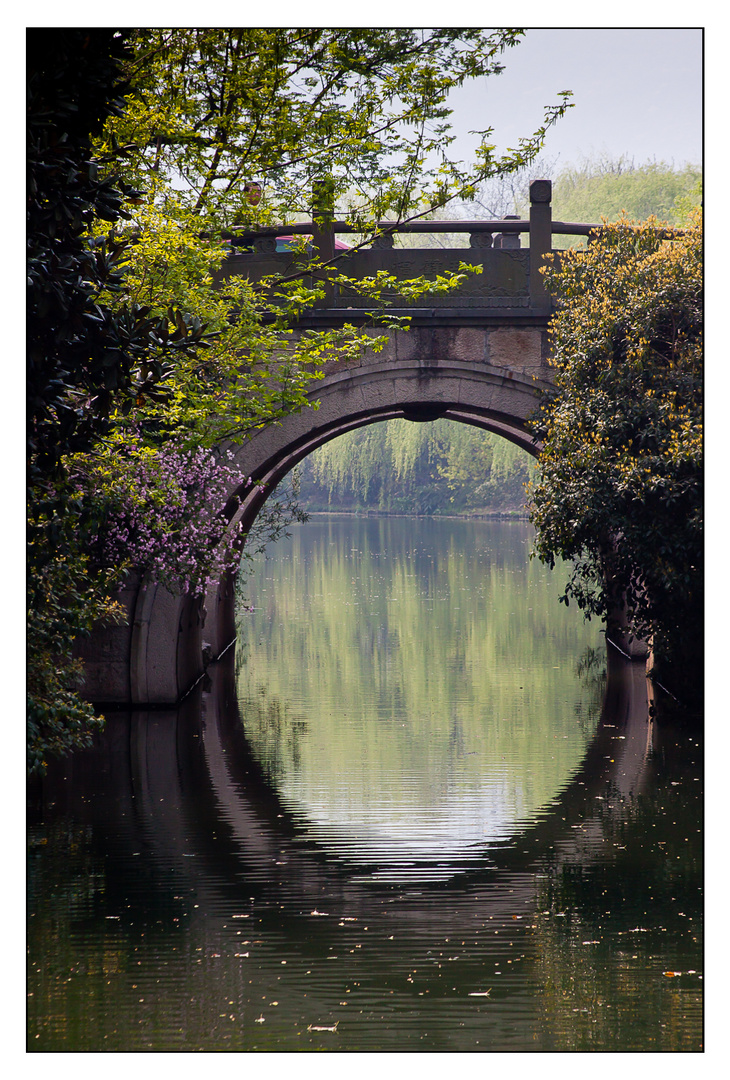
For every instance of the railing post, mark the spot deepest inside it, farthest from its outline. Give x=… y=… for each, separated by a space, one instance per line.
x=323 y=234
x=541 y=220
x=509 y=240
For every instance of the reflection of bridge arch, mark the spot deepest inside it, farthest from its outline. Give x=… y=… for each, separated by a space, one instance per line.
x=183 y=829
x=192 y=780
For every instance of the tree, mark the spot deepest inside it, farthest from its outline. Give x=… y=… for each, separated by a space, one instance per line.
x=142 y=150
x=620 y=490
x=606 y=188
x=85 y=361
x=365 y=108
x=361 y=113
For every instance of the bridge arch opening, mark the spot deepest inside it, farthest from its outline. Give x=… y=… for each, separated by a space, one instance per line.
x=272 y=472
x=488 y=376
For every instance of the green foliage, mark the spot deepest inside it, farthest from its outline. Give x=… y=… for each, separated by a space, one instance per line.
x=620 y=491
x=64 y=601
x=435 y=468
x=365 y=107
x=140 y=148
x=686 y=204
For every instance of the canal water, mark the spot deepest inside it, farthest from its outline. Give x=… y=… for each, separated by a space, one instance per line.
x=411 y=811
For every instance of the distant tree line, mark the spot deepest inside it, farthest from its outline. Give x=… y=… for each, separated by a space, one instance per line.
x=596 y=188
x=401 y=467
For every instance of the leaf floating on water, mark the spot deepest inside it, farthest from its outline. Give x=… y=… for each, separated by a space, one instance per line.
x=320 y=1027
x=671 y=974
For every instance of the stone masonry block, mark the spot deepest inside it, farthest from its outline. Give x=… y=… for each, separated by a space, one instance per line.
x=470 y=344
x=518 y=350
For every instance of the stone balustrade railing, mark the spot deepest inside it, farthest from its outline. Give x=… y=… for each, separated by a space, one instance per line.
x=510 y=279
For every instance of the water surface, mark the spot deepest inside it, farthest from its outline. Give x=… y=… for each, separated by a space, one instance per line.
x=410 y=814
x=411 y=688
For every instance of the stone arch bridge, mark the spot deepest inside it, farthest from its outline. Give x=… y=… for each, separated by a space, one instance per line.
x=478 y=356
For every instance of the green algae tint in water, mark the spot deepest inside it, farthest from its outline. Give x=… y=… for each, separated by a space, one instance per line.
x=411 y=689
x=402 y=820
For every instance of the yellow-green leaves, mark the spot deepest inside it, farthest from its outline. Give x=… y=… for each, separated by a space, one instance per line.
x=621 y=469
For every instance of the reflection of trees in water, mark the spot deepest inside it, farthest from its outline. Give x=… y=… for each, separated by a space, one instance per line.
x=408 y=669
x=279 y=734
x=590 y=668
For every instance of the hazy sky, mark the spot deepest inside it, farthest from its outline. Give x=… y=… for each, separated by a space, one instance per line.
x=636 y=92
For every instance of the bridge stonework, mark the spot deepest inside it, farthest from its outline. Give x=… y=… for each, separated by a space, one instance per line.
x=486 y=377
x=478 y=362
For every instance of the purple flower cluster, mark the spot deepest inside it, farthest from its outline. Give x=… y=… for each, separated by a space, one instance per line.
x=162 y=513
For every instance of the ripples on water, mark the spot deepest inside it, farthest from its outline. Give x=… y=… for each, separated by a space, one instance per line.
x=411 y=689
x=401 y=822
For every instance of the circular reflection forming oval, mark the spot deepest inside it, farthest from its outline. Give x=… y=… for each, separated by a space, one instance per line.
x=413 y=689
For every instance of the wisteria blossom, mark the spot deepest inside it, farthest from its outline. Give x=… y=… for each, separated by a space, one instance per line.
x=161 y=511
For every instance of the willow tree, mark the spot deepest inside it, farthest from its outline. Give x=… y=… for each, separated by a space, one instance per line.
x=437 y=468
x=620 y=492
